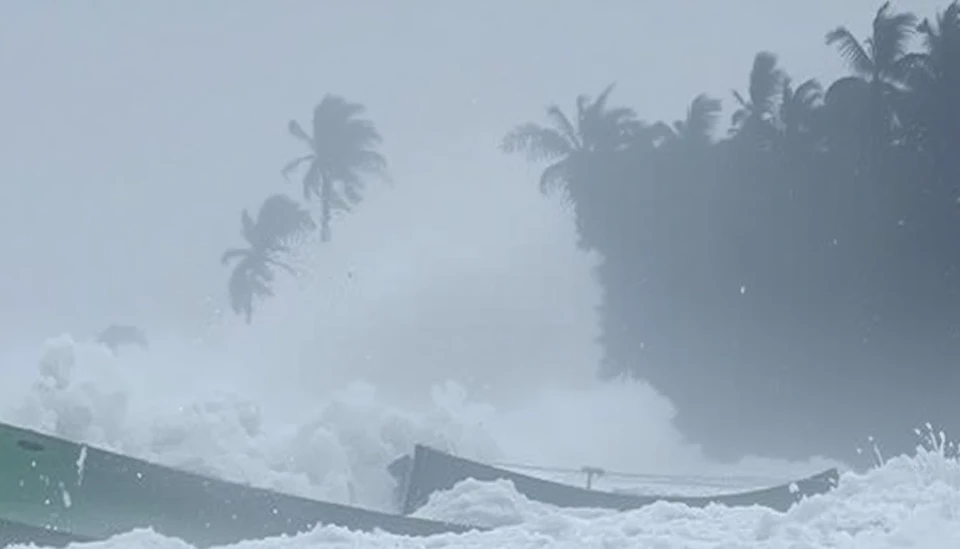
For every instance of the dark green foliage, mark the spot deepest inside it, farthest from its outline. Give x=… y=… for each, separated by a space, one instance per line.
x=821 y=229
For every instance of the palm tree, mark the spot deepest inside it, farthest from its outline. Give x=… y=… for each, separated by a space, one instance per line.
x=342 y=149
x=936 y=87
x=568 y=144
x=942 y=41
x=881 y=65
x=696 y=130
x=755 y=116
x=279 y=221
x=797 y=119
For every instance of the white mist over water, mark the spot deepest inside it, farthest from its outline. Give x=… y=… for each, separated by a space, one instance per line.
x=439 y=315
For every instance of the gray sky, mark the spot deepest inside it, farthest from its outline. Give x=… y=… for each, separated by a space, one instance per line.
x=133 y=132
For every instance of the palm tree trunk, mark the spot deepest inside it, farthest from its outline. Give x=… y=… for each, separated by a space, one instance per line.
x=326 y=195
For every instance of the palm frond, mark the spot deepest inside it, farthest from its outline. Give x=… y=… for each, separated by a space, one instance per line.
x=740 y=100
x=248 y=281
x=311 y=181
x=809 y=93
x=248 y=228
x=555 y=177
x=765 y=81
x=891 y=36
x=702 y=117
x=333 y=114
x=905 y=68
x=335 y=107
x=294 y=164
x=600 y=103
x=943 y=35
x=233 y=253
x=286 y=267
x=563 y=124
x=537 y=142
x=352 y=194
x=662 y=132
x=297 y=131
x=240 y=293
x=281 y=219
x=366 y=160
x=354 y=133
x=851 y=50
x=342 y=203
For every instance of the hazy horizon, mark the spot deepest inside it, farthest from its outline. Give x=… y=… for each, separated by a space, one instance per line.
x=134 y=134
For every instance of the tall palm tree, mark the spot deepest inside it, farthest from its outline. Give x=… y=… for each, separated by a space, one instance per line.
x=279 y=221
x=342 y=151
x=567 y=145
x=754 y=118
x=881 y=66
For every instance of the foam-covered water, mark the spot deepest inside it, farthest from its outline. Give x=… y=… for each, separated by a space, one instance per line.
x=373 y=351
x=470 y=326
x=474 y=336
x=452 y=309
x=339 y=452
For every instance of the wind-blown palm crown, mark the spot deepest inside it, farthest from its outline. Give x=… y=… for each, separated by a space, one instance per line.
x=935 y=83
x=755 y=115
x=882 y=57
x=282 y=220
x=342 y=150
x=696 y=129
x=881 y=61
x=941 y=39
x=566 y=143
x=279 y=220
x=797 y=120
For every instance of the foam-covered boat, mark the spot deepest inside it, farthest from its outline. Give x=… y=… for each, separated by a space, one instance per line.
x=431 y=470
x=53 y=491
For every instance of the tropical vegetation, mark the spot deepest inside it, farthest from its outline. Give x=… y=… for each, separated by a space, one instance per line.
x=822 y=228
x=824 y=216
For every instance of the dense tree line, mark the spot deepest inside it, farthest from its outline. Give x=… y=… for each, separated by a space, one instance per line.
x=820 y=229
x=823 y=229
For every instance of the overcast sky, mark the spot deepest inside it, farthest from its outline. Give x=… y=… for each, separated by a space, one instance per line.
x=132 y=133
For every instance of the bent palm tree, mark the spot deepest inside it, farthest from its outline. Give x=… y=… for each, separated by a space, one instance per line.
x=282 y=220
x=567 y=145
x=696 y=130
x=342 y=149
x=797 y=119
x=279 y=220
x=881 y=66
x=754 y=118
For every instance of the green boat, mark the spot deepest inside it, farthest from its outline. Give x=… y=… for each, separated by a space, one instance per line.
x=12 y=533
x=53 y=491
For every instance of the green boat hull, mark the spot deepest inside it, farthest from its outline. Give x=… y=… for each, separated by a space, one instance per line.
x=15 y=533
x=59 y=488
